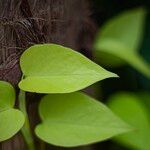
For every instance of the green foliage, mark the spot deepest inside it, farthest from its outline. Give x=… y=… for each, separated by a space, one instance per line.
x=11 y=120
x=51 y=68
x=132 y=110
x=75 y=119
x=7 y=96
x=119 y=40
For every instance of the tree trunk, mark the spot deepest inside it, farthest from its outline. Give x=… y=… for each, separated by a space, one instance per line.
x=24 y=23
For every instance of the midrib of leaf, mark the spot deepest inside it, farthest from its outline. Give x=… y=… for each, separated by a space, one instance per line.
x=83 y=74
x=83 y=125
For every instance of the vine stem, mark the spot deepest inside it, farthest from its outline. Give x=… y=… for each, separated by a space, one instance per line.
x=26 y=130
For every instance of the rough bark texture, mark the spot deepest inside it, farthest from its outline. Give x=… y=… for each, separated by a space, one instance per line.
x=24 y=23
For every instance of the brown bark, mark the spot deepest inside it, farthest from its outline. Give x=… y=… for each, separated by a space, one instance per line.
x=24 y=23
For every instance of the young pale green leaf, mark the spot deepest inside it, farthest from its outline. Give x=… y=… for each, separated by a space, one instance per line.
x=11 y=120
x=120 y=38
x=7 y=96
x=131 y=108
x=75 y=119
x=51 y=68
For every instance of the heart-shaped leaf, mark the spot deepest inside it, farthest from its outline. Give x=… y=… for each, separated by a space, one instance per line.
x=131 y=109
x=51 y=68
x=11 y=120
x=75 y=119
x=121 y=37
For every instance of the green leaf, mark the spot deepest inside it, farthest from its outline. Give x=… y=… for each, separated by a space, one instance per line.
x=120 y=38
x=11 y=120
x=132 y=110
x=75 y=119
x=51 y=68
x=7 y=96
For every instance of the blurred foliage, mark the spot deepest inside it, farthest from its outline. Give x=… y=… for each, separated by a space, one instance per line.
x=121 y=37
x=130 y=79
x=132 y=109
x=104 y=10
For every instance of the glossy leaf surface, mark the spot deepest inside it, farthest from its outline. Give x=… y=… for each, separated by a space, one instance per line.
x=11 y=120
x=75 y=119
x=7 y=96
x=51 y=68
